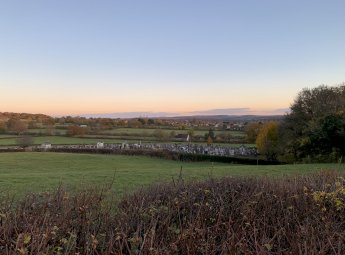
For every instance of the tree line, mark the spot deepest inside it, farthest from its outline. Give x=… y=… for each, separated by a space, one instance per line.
x=313 y=131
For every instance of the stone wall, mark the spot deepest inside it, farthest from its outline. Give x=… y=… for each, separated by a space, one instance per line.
x=179 y=148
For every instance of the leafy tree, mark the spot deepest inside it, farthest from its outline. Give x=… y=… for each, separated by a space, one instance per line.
x=16 y=126
x=76 y=130
x=210 y=134
x=143 y=121
x=191 y=134
x=327 y=137
x=252 y=130
x=151 y=121
x=315 y=126
x=172 y=134
x=3 y=127
x=134 y=123
x=25 y=141
x=160 y=135
x=267 y=140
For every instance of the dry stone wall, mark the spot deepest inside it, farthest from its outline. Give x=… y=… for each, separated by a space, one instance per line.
x=179 y=148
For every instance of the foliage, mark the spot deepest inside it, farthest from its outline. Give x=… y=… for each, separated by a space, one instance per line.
x=315 y=128
x=219 y=216
x=160 y=135
x=252 y=130
x=211 y=134
x=3 y=127
x=16 y=126
x=191 y=134
x=76 y=130
x=25 y=141
x=267 y=140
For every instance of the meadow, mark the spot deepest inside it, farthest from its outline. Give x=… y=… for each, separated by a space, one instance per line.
x=167 y=131
x=60 y=203
x=10 y=140
x=21 y=173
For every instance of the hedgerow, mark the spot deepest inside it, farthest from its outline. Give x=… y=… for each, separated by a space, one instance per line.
x=234 y=215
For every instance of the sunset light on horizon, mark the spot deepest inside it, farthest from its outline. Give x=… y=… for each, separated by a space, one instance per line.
x=166 y=57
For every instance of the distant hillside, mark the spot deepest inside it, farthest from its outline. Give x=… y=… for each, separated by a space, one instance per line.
x=225 y=118
x=23 y=116
x=230 y=118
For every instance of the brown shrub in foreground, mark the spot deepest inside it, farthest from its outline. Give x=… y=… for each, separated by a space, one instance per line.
x=292 y=215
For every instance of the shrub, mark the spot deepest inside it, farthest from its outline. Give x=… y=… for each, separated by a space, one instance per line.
x=295 y=215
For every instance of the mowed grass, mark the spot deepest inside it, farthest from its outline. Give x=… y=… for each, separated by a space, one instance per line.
x=12 y=140
x=36 y=172
x=60 y=140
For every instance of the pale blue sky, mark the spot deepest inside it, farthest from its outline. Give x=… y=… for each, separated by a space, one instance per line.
x=73 y=57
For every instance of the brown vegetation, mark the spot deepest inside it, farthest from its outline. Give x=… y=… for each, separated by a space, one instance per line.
x=302 y=215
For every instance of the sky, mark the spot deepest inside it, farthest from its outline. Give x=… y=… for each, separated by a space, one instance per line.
x=79 y=57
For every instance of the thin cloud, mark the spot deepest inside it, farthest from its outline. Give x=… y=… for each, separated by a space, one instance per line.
x=225 y=111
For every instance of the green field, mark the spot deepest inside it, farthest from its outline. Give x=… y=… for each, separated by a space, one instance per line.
x=142 y=131
x=89 y=139
x=150 y=132
x=60 y=140
x=32 y=172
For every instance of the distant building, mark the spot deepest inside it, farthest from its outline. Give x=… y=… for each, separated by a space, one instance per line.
x=100 y=145
x=182 y=137
x=46 y=145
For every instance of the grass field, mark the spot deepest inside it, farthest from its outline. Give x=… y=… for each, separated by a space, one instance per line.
x=140 y=131
x=60 y=140
x=143 y=131
x=32 y=172
x=12 y=140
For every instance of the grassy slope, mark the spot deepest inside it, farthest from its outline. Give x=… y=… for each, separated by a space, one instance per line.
x=23 y=172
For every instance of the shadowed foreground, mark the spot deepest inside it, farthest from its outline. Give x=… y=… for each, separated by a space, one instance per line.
x=239 y=215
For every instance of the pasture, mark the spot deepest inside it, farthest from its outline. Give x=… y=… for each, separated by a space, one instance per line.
x=59 y=140
x=150 y=132
x=35 y=172
x=9 y=140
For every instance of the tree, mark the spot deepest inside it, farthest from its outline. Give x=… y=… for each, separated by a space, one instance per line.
x=134 y=123
x=151 y=121
x=172 y=134
x=210 y=134
x=191 y=134
x=143 y=121
x=314 y=128
x=49 y=130
x=16 y=126
x=327 y=137
x=160 y=135
x=209 y=140
x=75 y=130
x=25 y=141
x=267 y=140
x=3 y=127
x=252 y=130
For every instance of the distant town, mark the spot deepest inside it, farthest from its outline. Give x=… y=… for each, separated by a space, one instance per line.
x=207 y=129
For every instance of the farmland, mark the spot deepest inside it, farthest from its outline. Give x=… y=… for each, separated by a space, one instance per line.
x=59 y=140
x=35 y=172
x=150 y=132
x=89 y=139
